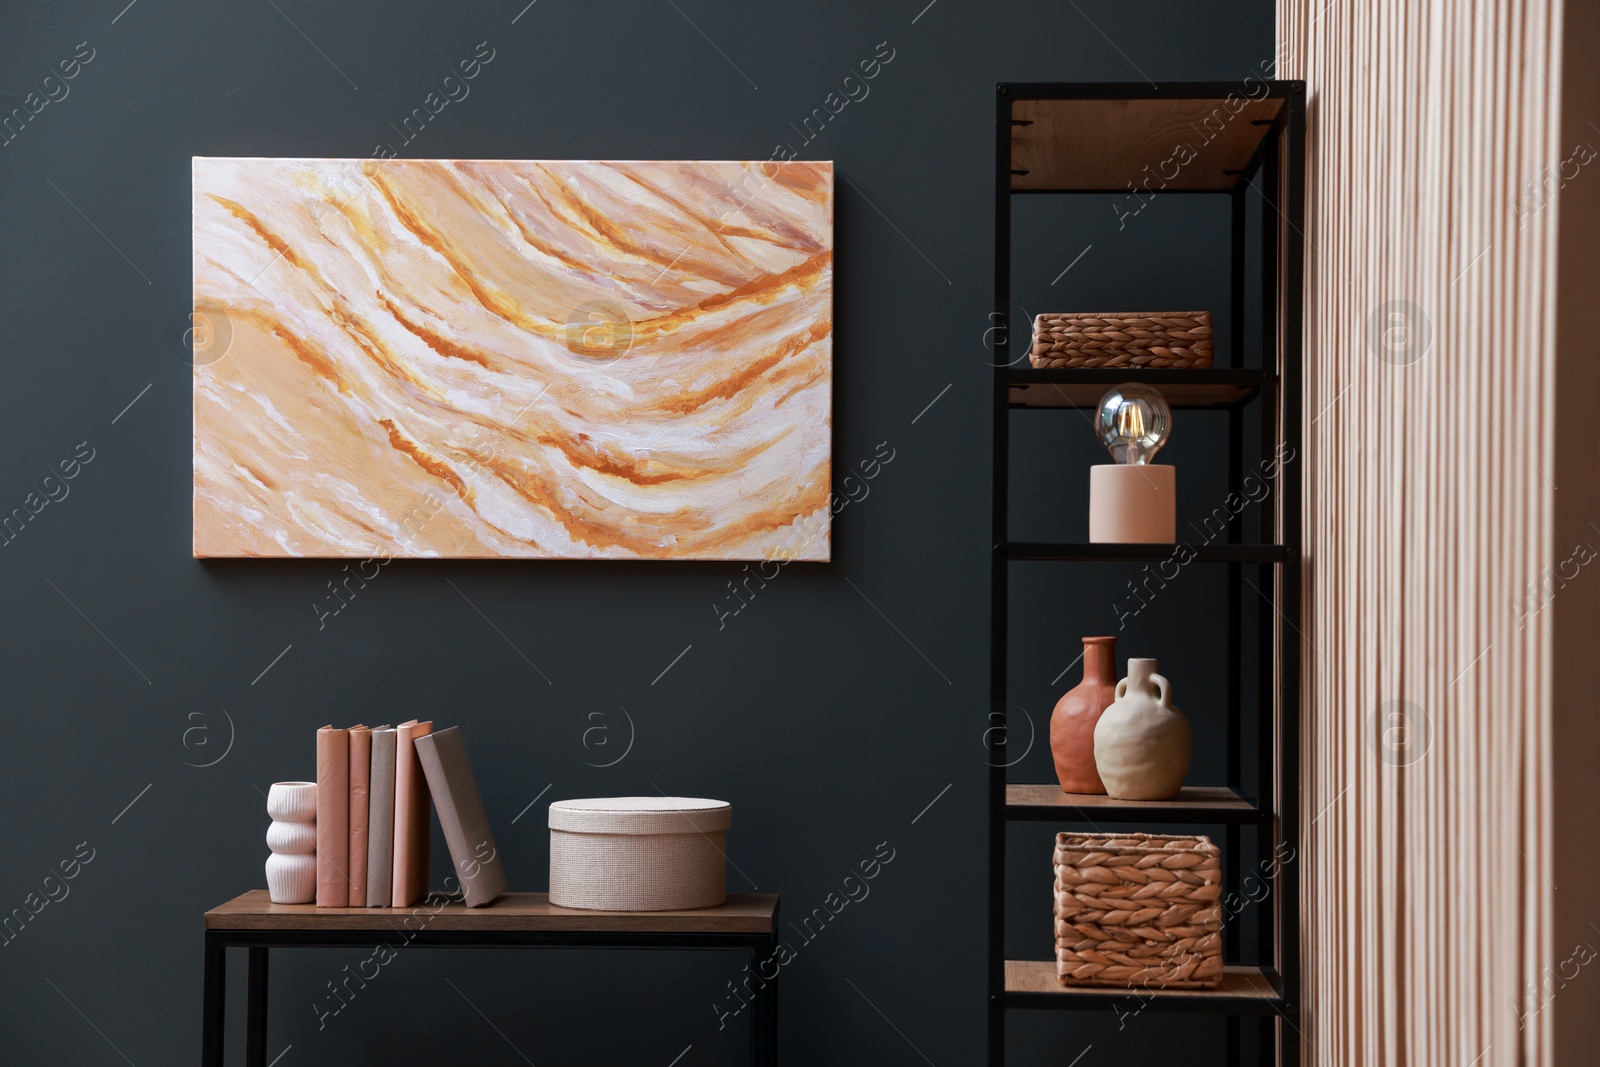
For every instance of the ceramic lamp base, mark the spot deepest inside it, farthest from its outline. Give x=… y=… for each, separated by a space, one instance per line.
x=1133 y=504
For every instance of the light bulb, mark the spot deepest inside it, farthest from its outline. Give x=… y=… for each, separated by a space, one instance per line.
x=1134 y=422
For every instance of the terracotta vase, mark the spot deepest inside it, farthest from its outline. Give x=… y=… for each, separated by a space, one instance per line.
x=1072 y=723
x=1142 y=742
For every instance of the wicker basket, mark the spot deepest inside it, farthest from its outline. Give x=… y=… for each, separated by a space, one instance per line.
x=1138 y=911
x=1176 y=340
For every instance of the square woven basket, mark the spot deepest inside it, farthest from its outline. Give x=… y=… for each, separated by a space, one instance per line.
x=1172 y=340
x=1138 y=911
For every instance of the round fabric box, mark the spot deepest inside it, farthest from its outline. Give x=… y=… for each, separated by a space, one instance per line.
x=639 y=853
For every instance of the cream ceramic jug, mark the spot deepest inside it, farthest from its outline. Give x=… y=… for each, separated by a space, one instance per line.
x=1141 y=743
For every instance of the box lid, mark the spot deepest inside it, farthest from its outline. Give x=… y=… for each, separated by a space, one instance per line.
x=641 y=815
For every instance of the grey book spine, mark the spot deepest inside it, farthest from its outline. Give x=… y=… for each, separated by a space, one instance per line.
x=380 y=826
x=461 y=815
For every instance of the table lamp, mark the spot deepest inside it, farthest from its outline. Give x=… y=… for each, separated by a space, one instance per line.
x=1133 y=501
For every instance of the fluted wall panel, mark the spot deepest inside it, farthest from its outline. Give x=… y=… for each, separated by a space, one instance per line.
x=1436 y=821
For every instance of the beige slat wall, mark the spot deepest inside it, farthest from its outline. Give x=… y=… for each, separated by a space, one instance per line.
x=1448 y=745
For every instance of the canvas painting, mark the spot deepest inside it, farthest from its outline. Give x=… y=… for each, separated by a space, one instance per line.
x=462 y=358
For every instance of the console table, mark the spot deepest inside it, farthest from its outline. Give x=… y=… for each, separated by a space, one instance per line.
x=748 y=922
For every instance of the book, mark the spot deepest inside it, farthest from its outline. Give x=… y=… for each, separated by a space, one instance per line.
x=333 y=817
x=380 y=820
x=461 y=814
x=360 y=775
x=409 y=877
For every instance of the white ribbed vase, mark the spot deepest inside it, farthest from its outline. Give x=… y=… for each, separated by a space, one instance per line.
x=292 y=837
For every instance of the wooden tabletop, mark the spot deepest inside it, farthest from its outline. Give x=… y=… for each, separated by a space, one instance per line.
x=744 y=913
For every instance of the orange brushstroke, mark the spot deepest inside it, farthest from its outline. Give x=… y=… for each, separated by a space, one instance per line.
x=439 y=344
x=307 y=353
x=618 y=238
x=501 y=304
x=760 y=290
x=741 y=380
x=273 y=241
x=437 y=468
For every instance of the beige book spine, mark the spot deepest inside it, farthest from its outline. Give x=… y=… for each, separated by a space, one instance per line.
x=380 y=821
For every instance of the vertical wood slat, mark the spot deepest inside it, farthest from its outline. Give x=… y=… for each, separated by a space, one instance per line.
x=1429 y=510
x=1568 y=812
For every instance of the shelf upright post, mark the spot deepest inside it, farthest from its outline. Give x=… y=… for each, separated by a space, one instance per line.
x=1235 y=746
x=997 y=726
x=1271 y=629
x=1293 y=274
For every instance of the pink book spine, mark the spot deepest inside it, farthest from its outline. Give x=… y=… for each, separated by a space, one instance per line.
x=333 y=818
x=360 y=811
x=410 y=873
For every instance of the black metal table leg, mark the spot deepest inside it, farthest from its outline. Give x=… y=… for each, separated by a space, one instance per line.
x=215 y=1008
x=255 y=1041
x=772 y=1010
x=763 y=1009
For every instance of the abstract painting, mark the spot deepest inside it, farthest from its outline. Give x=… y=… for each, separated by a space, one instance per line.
x=461 y=358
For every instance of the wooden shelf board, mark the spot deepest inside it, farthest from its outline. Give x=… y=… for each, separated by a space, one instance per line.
x=1083 y=388
x=743 y=913
x=1244 y=989
x=1183 y=397
x=1104 y=145
x=1044 y=552
x=1157 y=377
x=1193 y=804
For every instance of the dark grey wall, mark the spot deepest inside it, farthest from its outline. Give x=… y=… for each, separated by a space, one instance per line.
x=832 y=710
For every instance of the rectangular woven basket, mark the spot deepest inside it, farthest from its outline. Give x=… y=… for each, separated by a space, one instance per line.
x=1174 y=340
x=1139 y=911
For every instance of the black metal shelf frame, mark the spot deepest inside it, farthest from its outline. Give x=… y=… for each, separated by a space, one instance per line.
x=1276 y=172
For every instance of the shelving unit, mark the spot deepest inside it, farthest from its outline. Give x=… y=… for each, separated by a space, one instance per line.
x=1099 y=138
